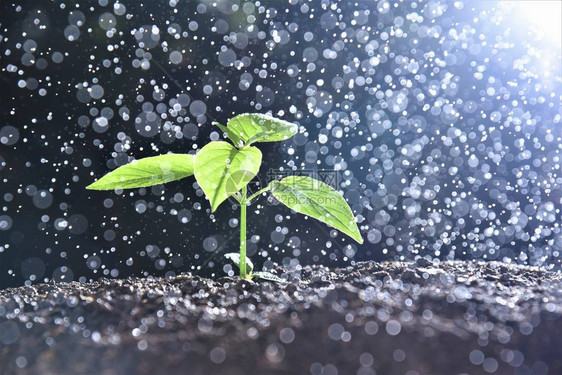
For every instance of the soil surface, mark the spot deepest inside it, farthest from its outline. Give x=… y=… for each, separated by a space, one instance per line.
x=372 y=318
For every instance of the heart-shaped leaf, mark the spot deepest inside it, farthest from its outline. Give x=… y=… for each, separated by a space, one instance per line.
x=318 y=200
x=222 y=170
x=147 y=172
x=231 y=135
x=256 y=127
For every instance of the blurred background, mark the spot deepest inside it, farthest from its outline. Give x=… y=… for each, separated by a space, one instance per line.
x=441 y=119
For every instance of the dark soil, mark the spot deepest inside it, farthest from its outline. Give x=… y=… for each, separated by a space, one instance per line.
x=390 y=318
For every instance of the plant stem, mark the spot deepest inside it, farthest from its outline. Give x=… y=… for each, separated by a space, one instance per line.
x=243 y=202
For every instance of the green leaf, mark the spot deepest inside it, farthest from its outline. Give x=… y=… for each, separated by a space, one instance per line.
x=222 y=170
x=268 y=276
x=256 y=127
x=318 y=200
x=146 y=172
x=231 y=135
x=235 y=258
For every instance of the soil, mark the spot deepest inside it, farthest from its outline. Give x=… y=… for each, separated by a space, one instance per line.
x=371 y=318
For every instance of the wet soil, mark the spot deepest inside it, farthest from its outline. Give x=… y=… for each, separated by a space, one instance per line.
x=371 y=318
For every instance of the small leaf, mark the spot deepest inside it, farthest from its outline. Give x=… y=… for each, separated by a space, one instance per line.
x=318 y=200
x=268 y=276
x=222 y=170
x=231 y=135
x=147 y=172
x=257 y=127
x=235 y=258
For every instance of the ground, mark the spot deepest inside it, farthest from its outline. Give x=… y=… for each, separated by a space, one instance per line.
x=371 y=318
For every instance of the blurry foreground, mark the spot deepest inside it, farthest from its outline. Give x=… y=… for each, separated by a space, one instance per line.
x=390 y=318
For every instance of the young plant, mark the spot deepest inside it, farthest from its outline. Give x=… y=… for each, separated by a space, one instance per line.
x=223 y=170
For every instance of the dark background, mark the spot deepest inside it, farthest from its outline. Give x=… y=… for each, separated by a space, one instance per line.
x=469 y=167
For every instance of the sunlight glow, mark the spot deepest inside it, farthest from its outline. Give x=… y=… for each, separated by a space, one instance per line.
x=544 y=15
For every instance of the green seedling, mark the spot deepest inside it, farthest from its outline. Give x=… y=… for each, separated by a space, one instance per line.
x=223 y=170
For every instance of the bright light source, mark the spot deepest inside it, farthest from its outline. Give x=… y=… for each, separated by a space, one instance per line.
x=545 y=16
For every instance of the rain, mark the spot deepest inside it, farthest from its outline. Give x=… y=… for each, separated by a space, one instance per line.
x=439 y=122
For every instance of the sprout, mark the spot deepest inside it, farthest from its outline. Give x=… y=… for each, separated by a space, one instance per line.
x=224 y=170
